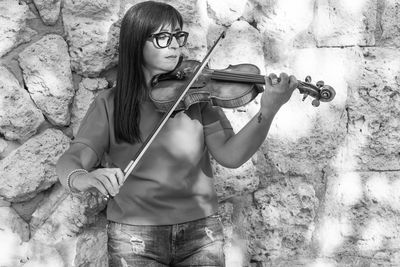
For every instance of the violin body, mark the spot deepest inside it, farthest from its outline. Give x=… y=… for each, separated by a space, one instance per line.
x=208 y=87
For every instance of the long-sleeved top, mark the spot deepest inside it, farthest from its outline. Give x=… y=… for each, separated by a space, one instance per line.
x=173 y=181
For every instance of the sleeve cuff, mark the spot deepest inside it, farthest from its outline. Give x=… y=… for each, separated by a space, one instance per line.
x=215 y=127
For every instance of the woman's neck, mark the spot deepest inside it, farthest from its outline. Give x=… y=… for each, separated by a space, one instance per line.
x=147 y=77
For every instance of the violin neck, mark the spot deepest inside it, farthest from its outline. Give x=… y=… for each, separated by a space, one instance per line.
x=232 y=76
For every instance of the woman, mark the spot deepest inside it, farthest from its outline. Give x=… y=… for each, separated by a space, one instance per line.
x=165 y=213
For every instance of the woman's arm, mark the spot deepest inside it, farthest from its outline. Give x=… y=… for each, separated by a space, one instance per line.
x=86 y=151
x=80 y=156
x=233 y=150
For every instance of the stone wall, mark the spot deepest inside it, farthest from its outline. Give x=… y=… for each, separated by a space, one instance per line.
x=323 y=190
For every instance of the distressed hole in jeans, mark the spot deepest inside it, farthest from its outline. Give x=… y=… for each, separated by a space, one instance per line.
x=209 y=233
x=137 y=244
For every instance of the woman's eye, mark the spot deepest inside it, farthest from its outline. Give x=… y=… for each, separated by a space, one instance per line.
x=163 y=36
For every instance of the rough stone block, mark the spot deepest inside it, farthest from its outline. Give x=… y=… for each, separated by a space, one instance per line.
x=345 y=23
x=11 y=221
x=304 y=139
x=19 y=117
x=242 y=44
x=360 y=218
x=283 y=221
x=31 y=168
x=390 y=23
x=231 y=182
x=49 y=10
x=64 y=215
x=47 y=74
x=92 y=33
x=373 y=126
x=225 y=12
x=13 y=29
x=192 y=11
x=91 y=245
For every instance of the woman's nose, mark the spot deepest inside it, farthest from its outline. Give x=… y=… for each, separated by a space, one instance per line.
x=174 y=43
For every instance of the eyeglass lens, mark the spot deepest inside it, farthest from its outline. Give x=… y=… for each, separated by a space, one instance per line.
x=164 y=39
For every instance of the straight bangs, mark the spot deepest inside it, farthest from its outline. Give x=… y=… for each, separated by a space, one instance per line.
x=164 y=16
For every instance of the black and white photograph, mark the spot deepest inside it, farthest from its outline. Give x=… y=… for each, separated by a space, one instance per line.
x=177 y=133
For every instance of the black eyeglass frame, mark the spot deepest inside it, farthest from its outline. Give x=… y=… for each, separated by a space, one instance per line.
x=154 y=38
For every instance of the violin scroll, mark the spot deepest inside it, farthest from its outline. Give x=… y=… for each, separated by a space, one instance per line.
x=320 y=91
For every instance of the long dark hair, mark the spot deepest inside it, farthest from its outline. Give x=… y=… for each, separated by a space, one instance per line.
x=139 y=22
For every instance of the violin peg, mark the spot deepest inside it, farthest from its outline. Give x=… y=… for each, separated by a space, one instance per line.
x=304 y=97
x=307 y=79
x=319 y=84
x=315 y=102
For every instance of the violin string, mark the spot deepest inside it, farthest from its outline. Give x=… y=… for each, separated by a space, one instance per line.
x=239 y=77
x=232 y=79
x=242 y=77
x=239 y=80
x=234 y=74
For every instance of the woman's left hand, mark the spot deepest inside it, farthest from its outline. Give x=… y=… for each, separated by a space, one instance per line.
x=277 y=91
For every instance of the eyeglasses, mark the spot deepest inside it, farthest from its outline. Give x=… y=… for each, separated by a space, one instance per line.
x=164 y=39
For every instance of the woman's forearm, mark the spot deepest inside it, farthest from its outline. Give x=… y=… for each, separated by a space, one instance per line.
x=242 y=146
x=78 y=156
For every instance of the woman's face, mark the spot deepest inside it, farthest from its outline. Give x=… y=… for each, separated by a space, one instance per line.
x=161 y=60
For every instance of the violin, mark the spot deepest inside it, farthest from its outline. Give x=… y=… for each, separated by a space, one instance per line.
x=232 y=87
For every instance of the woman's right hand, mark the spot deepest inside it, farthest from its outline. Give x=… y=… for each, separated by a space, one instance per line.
x=106 y=180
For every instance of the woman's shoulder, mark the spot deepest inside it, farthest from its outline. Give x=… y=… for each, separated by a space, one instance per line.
x=105 y=97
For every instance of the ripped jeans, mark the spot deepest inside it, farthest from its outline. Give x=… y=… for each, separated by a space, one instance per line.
x=194 y=243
